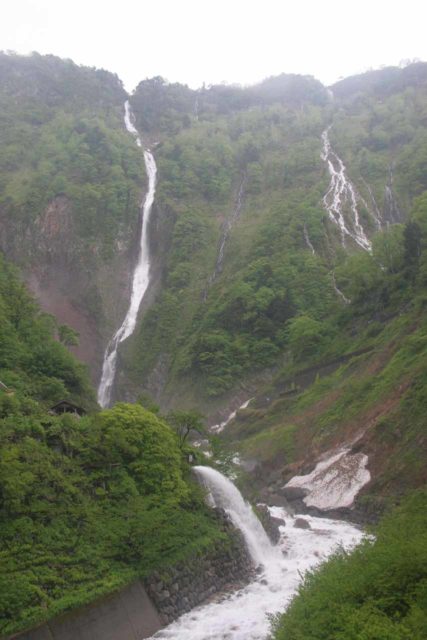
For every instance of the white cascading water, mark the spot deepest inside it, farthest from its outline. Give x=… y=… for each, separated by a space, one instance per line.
x=338 y=291
x=307 y=240
x=244 y=614
x=340 y=194
x=141 y=274
x=375 y=212
x=224 y=494
x=226 y=229
x=217 y=428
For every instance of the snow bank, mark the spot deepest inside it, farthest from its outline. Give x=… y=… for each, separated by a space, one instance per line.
x=336 y=480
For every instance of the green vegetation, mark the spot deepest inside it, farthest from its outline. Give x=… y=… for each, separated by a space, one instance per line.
x=66 y=141
x=32 y=362
x=215 y=329
x=377 y=592
x=210 y=329
x=88 y=504
x=185 y=423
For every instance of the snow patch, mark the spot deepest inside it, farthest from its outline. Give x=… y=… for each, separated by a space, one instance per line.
x=336 y=480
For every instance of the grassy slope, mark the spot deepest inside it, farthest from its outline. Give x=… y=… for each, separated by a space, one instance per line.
x=374 y=399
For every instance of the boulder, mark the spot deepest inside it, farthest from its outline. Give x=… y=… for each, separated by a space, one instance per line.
x=277 y=500
x=270 y=523
x=300 y=523
x=294 y=493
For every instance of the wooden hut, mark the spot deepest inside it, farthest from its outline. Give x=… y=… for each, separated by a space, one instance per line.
x=66 y=407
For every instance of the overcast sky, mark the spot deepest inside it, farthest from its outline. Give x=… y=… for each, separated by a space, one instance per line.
x=196 y=41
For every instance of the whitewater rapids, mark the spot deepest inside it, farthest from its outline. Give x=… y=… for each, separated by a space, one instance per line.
x=244 y=614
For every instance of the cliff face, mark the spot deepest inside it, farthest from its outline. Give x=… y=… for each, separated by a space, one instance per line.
x=72 y=182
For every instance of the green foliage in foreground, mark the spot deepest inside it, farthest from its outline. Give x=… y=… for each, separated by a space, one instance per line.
x=378 y=592
x=87 y=505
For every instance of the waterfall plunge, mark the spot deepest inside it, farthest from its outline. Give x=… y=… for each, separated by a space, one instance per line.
x=141 y=274
x=224 y=494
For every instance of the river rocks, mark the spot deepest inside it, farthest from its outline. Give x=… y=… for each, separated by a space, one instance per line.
x=301 y=523
x=294 y=493
x=178 y=589
x=270 y=523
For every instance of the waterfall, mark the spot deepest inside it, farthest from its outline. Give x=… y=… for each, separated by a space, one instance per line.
x=141 y=274
x=224 y=494
x=392 y=212
x=341 y=193
x=217 y=428
x=307 y=240
x=338 y=291
x=245 y=614
x=226 y=229
x=376 y=214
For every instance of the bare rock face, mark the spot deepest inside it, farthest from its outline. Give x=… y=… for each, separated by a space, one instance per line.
x=69 y=277
x=54 y=228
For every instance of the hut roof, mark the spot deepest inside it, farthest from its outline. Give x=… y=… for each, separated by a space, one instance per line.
x=66 y=407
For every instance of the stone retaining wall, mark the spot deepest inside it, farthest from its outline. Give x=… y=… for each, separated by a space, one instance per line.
x=179 y=589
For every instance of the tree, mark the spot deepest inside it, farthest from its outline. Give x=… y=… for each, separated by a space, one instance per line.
x=68 y=336
x=305 y=335
x=184 y=422
x=130 y=435
x=389 y=248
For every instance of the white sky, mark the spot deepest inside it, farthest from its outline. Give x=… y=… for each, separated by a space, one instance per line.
x=196 y=41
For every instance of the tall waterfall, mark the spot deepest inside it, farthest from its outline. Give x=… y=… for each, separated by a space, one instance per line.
x=225 y=494
x=341 y=194
x=141 y=274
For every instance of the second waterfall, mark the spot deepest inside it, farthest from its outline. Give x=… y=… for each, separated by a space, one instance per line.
x=141 y=274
